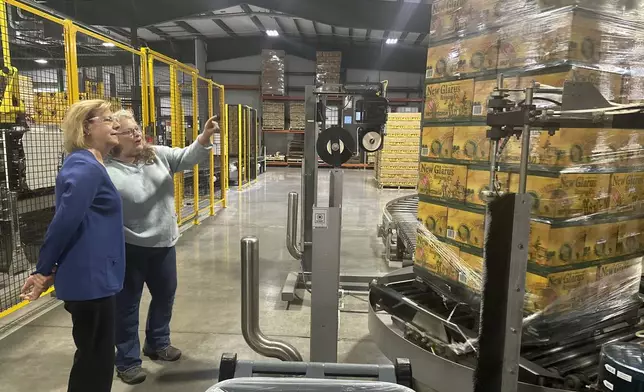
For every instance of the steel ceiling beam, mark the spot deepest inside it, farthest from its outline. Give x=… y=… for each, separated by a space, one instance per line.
x=253 y=18
x=159 y=32
x=222 y=25
x=403 y=36
x=420 y=39
x=280 y=25
x=299 y=28
x=381 y=15
x=368 y=36
x=187 y=27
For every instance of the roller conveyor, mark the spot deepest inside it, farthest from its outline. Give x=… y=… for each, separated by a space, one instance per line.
x=398 y=229
x=398 y=322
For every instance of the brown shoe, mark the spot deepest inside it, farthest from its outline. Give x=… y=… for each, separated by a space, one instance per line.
x=169 y=354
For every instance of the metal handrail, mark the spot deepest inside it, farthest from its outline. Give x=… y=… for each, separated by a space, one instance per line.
x=254 y=337
x=291 y=226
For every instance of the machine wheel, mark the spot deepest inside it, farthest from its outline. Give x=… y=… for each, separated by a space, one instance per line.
x=227 y=366
x=402 y=367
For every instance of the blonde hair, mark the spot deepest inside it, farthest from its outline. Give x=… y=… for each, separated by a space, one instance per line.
x=75 y=120
x=147 y=154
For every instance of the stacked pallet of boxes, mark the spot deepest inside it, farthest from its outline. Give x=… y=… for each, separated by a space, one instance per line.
x=397 y=162
x=297 y=115
x=273 y=72
x=327 y=68
x=272 y=115
x=587 y=220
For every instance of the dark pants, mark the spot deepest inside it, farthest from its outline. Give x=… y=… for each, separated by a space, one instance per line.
x=93 y=333
x=157 y=268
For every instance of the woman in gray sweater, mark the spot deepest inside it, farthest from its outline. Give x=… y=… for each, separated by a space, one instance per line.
x=143 y=175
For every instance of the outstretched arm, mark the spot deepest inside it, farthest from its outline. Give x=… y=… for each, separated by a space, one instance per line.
x=181 y=159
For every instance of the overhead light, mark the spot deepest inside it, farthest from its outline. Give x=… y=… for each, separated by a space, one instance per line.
x=391 y=41
x=108 y=44
x=41 y=61
x=272 y=33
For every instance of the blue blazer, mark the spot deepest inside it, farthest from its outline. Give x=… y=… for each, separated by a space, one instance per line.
x=85 y=239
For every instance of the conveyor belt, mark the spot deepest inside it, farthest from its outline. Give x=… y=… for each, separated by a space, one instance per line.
x=398 y=229
x=425 y=327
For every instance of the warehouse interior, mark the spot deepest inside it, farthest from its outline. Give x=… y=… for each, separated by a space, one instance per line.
x=426 y=195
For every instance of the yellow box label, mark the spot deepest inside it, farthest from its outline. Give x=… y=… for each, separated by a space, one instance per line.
x=478 y=182
x=552 y=247
x=437 y=142
x=570 y=195
x=449 y=100
x=466 y=227
x=601 y=241
x=623 y=268
x=425 y=173
x=466 y=56
x=569 y=288
x=448 y=182
x=433 y=217
x=471 y=144
x=443 y=260
x=626 y=191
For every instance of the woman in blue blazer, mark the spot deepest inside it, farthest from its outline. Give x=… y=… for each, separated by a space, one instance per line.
x=83 y=253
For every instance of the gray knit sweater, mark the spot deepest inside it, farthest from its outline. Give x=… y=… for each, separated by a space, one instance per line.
x=148 y=194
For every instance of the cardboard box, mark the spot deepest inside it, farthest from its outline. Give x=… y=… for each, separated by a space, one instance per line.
x=471 y=271
x=512 y=151
x=443 y=260
x=568 y=195
x=629 y=237
x=626 y=191
x=450 y=17
x=436 y=142
x=449 y=101
x=462 y=57
x=448 y=182
x=619 y=279
x=433 y=217
x=566 y=287
x=466 y=227
x=601 y=241
x=471 y=143
x=562 y=35
x=478 y=181
x=553 y=247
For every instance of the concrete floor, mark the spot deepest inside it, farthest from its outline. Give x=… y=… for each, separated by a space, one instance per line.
x=206 y=321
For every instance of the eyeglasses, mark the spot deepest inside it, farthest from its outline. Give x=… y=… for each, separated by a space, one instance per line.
x=105 y=119
x=131 y=132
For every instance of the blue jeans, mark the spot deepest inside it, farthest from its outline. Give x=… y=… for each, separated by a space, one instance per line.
x=157 y=268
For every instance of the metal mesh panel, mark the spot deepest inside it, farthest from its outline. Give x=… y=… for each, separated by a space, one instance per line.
x=187 y=135
x=205 y=174
x=33 y=102
x=160 y=102
x=108 y=72
x=252 y=145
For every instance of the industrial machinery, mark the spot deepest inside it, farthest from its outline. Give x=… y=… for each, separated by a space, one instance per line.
x=462 y=348
x=363 y=114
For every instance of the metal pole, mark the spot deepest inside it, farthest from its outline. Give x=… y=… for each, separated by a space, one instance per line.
x=310 y=176
x=525 y=146
x=250 y=307
x=494 y=144
x=335 y=188
x=291 y=226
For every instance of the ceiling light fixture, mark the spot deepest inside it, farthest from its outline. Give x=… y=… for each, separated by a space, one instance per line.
x=108 y=44
x=391 y=41
x=272 y=33
x=41 y=61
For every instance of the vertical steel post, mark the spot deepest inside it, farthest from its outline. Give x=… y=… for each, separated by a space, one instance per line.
x=525 y=146
x=4 y=35
x=225 y=168
x=240 y=149
x=71 y=63
x=211 y=161
x=195 y=135
x=325 y=277
x=176 y=134
x=145 y=106
x=309 y=176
